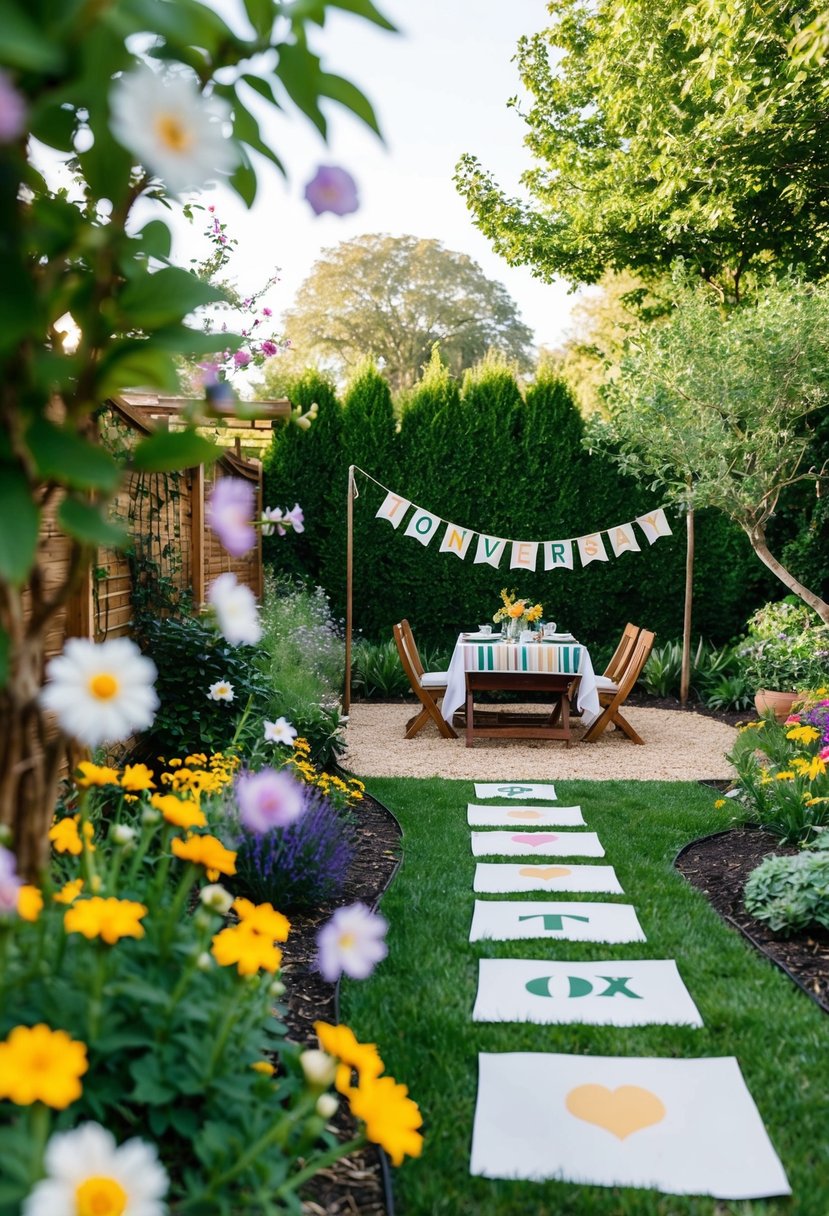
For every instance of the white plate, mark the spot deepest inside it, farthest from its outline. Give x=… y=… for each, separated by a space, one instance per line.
x=558 y=637
x=482 y=637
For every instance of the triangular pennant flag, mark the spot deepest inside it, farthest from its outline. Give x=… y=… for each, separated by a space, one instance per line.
x=393 y=508
x=490 y=551
x=456 y=540
x=524 y=553
x=591 y=549
x=422 y=525
x=654 y=525
x=558 y=555
x=623 y=539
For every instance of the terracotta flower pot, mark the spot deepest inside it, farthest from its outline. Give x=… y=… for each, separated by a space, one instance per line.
x=780 y=703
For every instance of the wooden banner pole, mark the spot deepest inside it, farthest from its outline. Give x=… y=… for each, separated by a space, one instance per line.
x=685 y=678
x=349 y=587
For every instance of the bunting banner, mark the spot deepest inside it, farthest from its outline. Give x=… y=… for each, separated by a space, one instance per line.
x=529 y=555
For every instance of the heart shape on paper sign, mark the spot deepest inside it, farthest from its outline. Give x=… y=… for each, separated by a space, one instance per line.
x=524 y=814
x=621 y=1111
x=534 y=838
x=545 y=872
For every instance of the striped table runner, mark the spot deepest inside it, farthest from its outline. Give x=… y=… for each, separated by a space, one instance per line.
x=564 y=658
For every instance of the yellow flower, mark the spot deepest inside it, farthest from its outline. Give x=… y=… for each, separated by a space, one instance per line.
x=95 y=774
x=65 y=837
x=29 y=903
x=341 y=1042
x=803 y=734
x=181 y=813
x=110 y=919
x=249 y=950
x=787 y=775
x=38 y=1064
x=265 y=1067
x=719 y=803
x=206 y=851
x=535 y=613
x=137 y=777
x=390 y=1116
x=815 y=767
x=815 y=801
x=69 y=892
x=263 y=918
x=196 y=758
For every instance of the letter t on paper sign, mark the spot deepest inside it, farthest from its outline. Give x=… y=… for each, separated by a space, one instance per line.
x=393 y=508
x=456 y=540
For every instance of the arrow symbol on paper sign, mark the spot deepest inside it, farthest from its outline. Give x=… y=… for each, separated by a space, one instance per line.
x=554 y=920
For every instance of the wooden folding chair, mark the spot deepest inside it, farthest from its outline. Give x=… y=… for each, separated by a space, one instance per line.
x=428 y=686
x=621 y=654
x=611 y=699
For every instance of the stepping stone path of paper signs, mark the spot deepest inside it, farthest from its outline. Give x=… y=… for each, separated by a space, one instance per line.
x=677 y=1126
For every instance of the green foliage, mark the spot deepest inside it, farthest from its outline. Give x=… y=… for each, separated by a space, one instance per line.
x=170 y=1034
x=489 y=460
x=715 y=676
x=782 y=779
x=190 y=656
x=791 y=894
x=300 y=658
x=787 y=648
x=709 y=150
x=393 y=298
x=376 y=671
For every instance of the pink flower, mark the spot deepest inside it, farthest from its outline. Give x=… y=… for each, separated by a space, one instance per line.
x=824 y=754
x=12 y=111
x=266 y=312
x=295 y=518
x=269 y=348
x=352 y=942
x=10 y=883
x=230 y=514
x=272 y=521
x=332 y=189
x=269 y=799
x=241 y=358
x=792 y=720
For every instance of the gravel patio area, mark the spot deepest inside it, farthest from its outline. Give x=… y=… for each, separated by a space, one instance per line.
x=679 y=746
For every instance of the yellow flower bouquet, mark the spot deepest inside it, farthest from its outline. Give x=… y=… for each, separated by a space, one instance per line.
x=518 y=613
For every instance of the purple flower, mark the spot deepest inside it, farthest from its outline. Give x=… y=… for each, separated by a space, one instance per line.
x=269 y=348
x=10 y=882
x=332 y=189
x=241 y=358
x=295 y=518
x=266 y=312
x=352 y=942
x=12 y=111
x=230 y=514
x=268 y=799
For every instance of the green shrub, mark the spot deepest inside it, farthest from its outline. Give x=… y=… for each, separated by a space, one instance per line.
x=787 y=648
x=790 y=894
x=377 y=673
x=191 y=656
x=716 y=679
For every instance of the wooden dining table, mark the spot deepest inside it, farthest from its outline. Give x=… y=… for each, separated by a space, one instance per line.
x=559 y=668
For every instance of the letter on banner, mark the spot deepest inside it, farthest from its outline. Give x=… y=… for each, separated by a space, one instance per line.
x=623 y=539
x=490 y=551
x=422 y=525
x=524 y=553
x=393 y=508
x=654 y=525
x=456 y=540
x=591 y=549
x=558 y=555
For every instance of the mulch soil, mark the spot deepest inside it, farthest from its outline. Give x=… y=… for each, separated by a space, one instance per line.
x=718 y=866
x=356 y=1185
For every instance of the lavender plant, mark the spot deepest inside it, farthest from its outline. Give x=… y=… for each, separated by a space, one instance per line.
x=299 y=866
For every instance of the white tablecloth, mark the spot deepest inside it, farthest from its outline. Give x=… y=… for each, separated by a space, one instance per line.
x=555 y=657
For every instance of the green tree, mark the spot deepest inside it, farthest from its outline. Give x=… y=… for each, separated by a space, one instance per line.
x=719 y=408
x=664 y=130
x=392 y=298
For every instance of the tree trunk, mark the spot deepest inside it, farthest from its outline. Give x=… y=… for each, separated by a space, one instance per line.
x=757 y=536
x=685 y=678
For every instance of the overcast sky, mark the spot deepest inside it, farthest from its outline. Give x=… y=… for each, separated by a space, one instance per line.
x=440 y=88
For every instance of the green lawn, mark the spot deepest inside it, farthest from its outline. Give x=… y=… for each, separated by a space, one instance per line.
x=418 y=1005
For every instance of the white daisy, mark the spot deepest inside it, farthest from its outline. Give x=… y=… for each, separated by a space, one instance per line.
x=220 y=691
x=280 y=731
x=235 y=606
x=101 y=692
x=86 y=1171
x=171 y=128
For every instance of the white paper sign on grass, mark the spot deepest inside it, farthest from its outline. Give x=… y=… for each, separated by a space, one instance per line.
x=627 y=993
x=502 y=877
x=516 y=789
x=685 y=1127
x=536 y=844
x=531 y=816
x=505 y=920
